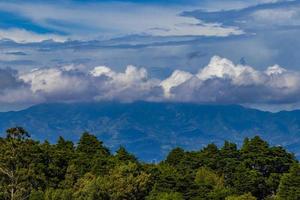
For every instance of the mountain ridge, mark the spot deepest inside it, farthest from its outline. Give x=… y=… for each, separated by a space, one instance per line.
x=150 y=130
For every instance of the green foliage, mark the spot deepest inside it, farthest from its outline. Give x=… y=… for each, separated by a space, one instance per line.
x=248 y=180
x=166 y=178
x=31 y=170
x=88 y=150
x=89 y=145
x=90 y=187
x=211 y=185
x=36 y=195
x=58 y=194
x=17 y=133
x=165 y=196
x=20 y=165
x=247 y=196
x=123 y=182
x=126 y=182
x=208 y=177
x=289 y=188
x=124 y=156
x=174 y=156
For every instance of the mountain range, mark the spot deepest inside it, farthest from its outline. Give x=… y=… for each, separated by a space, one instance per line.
x=150 y=130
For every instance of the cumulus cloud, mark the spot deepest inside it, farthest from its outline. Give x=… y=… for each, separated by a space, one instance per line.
x=69 y=84
x=58 y=84
x=178 y=77
x=220 y=82
x=133 y=84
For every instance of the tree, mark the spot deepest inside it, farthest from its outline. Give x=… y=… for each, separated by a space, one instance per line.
x=36 y=195
x=64 y=145
x=88 y=149
x=102 y=165
x=90 y=146
x=58 y=194
x=230 y=157
x=254 y=152
x=208 y=177
x=89 y=187
x=175 y=156
x=246 y=196
x=210 y=156
x=229 y=150
x=16 y=169
x=289 y=188
x=210 y=185
x=128 y=182
x=264 y=163
x=31 y=170
x=123 y=155
x=165 y=196
x=124 y=182
x=166 y=178
x=57 y=158
x=71 y=176
x=17 y=133
x=249 y=180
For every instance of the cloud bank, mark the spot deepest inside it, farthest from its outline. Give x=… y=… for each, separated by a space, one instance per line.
x=220 y=82
x=104 y=20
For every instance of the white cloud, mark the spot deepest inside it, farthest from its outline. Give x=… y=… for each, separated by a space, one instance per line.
x=102 y=70
x=178 y=77
x=185 y=26
x=225 y=69
x=277 y=16
x=101 y=83
x=221 y=82
x=55 y=82
x=275 y=70
x=24 y=36
x=116 y=19
x=133 y=84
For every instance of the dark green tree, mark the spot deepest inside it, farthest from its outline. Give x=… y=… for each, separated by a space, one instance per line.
x=289 y=188
x=175 y=157
x=90 y=146
x=88 y=149
x=124 y=156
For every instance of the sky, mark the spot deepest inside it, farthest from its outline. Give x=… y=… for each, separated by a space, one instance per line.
x=201 y=51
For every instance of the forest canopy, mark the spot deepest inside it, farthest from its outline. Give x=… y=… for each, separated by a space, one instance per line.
x=34 y=170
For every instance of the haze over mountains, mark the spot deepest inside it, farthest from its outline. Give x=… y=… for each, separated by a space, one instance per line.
x=150 y=130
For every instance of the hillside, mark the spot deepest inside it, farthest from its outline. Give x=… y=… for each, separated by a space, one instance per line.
x=151 y=130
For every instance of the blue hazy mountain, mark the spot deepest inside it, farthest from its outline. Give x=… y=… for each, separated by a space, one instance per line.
x=150 y=130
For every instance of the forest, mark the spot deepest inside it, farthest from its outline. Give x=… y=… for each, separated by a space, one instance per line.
x=87 y=170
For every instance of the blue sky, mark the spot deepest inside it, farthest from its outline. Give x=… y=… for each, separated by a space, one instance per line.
x=186 y=25
x=158 y=36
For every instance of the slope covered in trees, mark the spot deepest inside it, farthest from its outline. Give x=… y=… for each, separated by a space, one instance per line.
x=89 y=171
x=151 y=129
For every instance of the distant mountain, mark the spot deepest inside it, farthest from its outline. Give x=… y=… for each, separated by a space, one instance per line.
x=150 y=130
